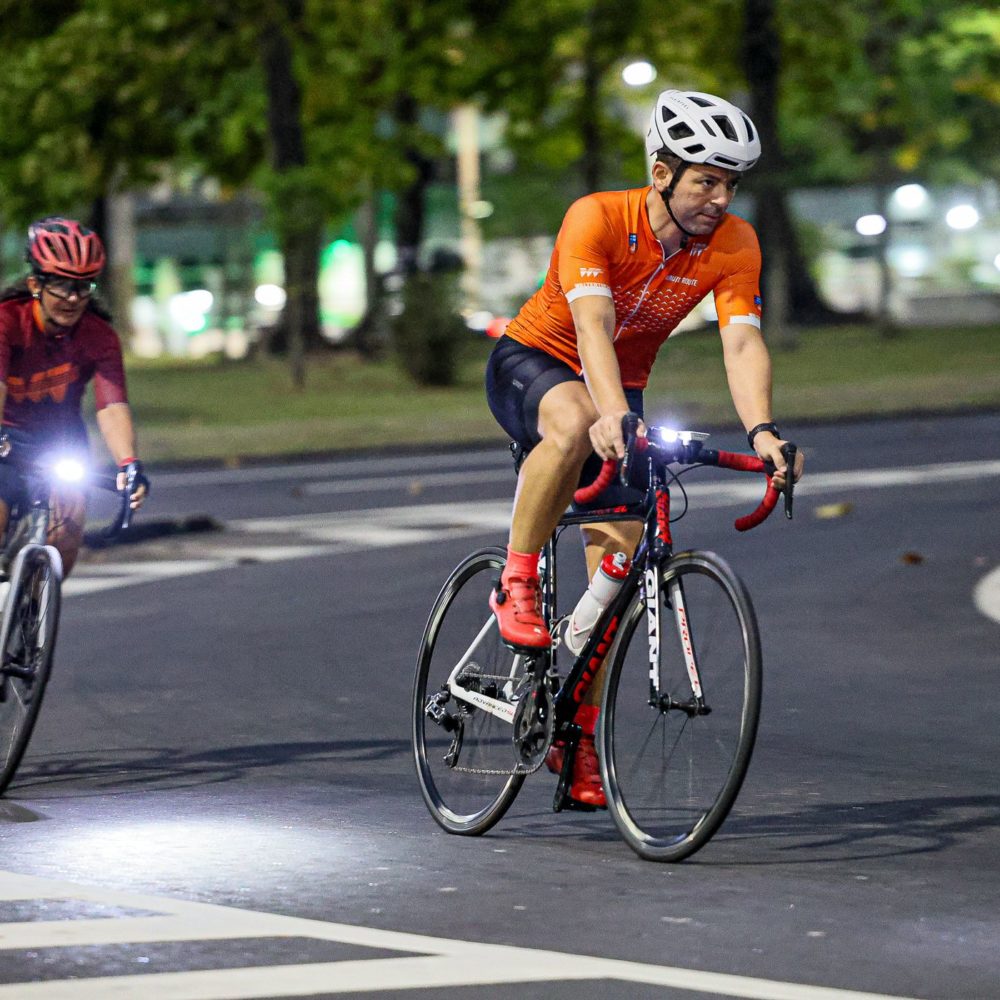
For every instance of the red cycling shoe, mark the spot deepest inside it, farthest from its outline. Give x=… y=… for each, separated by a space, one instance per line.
x=517 y=604
x=585 y=789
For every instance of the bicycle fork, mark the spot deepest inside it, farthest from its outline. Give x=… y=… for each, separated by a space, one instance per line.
x=658 y=554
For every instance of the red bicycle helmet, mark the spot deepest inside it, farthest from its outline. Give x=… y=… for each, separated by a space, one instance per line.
x=65 y=248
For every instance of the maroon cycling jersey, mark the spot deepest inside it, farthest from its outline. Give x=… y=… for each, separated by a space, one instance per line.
x=46 y=376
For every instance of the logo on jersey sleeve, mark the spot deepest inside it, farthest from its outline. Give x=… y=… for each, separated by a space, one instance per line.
x=590 y=272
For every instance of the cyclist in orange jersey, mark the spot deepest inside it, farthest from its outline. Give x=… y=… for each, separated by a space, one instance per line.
x=627 y=267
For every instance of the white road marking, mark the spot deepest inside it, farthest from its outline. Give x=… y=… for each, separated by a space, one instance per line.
x=414 y=479
x=349 y=469
x=987 y=595
x=431 y=962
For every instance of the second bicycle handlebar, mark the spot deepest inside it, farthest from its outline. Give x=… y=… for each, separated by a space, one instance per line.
x=691 y=452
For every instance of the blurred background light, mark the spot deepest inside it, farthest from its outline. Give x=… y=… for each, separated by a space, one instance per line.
x=870 y=225
x=481 y=209
x=911 y=197
x=270 y=296
x=910 y=261
x=639 y=73
x=188 y=309
x=962 y=217
x=996 y=261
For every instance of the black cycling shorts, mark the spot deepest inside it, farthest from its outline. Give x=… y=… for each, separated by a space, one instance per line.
x=517 y=377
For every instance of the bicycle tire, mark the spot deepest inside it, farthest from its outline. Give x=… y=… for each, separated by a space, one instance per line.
x=464 y=795
x=28 y=647
x=671 y=777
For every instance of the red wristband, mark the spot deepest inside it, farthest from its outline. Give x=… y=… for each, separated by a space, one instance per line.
x=127 y=461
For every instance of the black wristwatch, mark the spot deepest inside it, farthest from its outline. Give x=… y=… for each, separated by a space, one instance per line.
x=770 y=426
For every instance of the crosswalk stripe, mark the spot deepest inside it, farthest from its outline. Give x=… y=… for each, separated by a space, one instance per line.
x=428 y=962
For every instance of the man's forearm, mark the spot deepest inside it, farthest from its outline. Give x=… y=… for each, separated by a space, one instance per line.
x=748 y=371
x=601 y=370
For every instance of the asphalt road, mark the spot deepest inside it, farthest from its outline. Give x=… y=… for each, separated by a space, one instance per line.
x=219 y=800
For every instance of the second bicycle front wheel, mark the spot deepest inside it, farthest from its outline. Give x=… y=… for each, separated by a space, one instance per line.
x=28 y=643
x=678 y=723
x=465 y=755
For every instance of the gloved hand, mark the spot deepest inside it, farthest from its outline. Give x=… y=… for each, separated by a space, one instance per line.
x=133 y=481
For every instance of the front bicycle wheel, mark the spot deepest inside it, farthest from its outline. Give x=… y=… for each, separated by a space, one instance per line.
x=29 y=636
x=679 y=717
x=465 y=755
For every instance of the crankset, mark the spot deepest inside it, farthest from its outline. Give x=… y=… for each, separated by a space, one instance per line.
x=534 y=721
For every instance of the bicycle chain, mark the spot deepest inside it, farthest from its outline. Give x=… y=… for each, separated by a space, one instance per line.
x=518 y=769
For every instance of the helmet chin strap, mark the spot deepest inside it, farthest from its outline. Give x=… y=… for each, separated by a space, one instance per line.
x=666 y=194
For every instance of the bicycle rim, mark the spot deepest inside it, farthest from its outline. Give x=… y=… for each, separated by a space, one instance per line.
x=466 y=764
x=26 y=658
x=671 y=777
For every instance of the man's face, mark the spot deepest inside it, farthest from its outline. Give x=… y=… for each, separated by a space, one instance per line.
x=702 y=197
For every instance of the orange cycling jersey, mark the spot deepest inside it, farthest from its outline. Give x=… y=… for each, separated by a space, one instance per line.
x=606 y=247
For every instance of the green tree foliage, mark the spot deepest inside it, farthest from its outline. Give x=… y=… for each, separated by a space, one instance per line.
x=904 y=81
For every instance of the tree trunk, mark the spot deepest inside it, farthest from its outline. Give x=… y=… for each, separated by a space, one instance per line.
x=299 y=223
x=370 y=336
x=120 y=228
x=411 y=204
x=592 y=164
x=773 y=219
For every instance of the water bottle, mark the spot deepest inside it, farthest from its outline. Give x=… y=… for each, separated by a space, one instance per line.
x=607 y=580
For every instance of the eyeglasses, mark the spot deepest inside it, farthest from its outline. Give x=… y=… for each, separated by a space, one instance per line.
x=65 y=288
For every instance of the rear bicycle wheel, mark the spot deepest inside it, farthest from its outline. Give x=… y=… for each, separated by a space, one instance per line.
x=672 y=766
x=466 y=760
x=28 y=642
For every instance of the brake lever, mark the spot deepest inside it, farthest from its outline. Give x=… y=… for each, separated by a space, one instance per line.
x=789 y=450
x=630 y=429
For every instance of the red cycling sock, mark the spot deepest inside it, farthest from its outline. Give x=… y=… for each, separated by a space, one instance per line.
x=586 y=718
x=520 y=564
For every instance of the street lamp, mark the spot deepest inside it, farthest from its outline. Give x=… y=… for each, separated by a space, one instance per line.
x=639 y=73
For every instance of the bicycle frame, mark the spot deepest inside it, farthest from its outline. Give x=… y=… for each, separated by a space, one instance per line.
x=653 y=551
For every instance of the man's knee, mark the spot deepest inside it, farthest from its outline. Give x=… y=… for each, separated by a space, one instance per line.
x=565 y=418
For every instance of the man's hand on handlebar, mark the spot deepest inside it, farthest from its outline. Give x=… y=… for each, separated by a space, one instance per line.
x=606 y=435
x=768 y=447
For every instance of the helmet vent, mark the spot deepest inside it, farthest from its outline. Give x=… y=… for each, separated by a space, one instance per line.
x=700 y=101
x=680 y=131
x=724 y=161
x=726 y=127
x=696 y=148
x=751 y=134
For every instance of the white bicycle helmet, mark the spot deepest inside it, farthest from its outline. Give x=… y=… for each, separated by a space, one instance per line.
x=701 y=128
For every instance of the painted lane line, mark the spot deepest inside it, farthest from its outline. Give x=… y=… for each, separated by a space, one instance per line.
x=393 y=482
x=348 y=468
x=439 y=962
x=987 y=595
x=90 y=579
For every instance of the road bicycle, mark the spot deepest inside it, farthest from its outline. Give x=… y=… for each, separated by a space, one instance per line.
x=681 y=699
x=31 y=574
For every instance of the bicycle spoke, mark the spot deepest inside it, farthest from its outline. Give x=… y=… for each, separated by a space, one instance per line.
x=466 y=760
